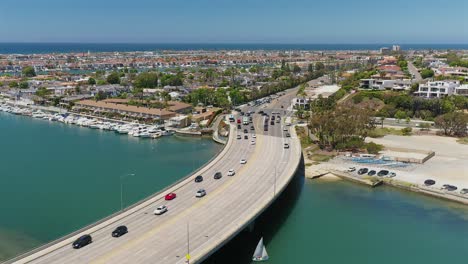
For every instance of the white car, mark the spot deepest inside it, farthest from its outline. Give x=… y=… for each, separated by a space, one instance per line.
x=286 y=145
x=285 y=129
x=200 y=193
x=160 y=210
x=231 y=172
x=239 y=137
x=252 y=142
x=254 y=136
x=243 y=161
x=351 y=169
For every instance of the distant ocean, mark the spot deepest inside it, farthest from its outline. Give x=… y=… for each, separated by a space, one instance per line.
x=38 y=48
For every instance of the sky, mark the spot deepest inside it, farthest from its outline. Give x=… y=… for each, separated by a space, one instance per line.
x=235 y=21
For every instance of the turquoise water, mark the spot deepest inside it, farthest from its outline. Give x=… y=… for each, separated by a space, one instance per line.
x=341 y=222
x=56 y=178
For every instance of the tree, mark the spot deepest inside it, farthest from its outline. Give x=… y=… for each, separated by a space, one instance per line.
x=427 y=73
x=319 y=66
x=399 y=115
x=146 y=80
x=453 y=123
x=13 y=84
x=100 y=96
x=92 y=81
x=43 y=92
x=24 y=85
x=28 y=71
x=296 y=68
x=113 y=78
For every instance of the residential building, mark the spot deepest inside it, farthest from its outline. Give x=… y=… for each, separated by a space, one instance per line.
x=437 y=89
x=462 y=90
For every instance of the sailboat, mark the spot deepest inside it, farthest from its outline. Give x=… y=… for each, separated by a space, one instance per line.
x=260 y=253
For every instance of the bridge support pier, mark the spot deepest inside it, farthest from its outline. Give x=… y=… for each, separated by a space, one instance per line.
x=251 y=226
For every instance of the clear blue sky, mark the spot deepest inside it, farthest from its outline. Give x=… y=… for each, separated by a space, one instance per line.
x=235 y=21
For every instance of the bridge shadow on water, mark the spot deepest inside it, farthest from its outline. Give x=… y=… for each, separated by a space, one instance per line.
x=240 y=249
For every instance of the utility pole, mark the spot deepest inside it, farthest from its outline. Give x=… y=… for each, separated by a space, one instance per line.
x=188 y=244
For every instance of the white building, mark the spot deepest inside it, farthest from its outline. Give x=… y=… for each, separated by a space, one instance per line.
x=437 y=89
x=462 y=90
x=373 y=84
x=396 y=48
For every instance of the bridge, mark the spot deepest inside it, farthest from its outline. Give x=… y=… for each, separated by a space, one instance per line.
x=193 y=228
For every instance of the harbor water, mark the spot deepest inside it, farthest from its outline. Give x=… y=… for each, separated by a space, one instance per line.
x=56 y=178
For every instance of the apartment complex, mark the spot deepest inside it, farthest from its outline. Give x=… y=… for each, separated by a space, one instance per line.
x=437 y=89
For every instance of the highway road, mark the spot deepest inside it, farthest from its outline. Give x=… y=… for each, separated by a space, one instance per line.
x=195 y=226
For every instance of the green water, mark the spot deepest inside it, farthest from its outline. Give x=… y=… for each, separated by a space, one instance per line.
x=341 y=222
x=56 y=178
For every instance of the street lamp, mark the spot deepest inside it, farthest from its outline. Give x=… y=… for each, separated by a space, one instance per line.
x=121 y=188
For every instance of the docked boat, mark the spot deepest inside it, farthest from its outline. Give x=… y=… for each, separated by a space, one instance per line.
x=260 y=253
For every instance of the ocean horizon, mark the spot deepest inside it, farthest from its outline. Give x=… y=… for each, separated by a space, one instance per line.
x=42 y=47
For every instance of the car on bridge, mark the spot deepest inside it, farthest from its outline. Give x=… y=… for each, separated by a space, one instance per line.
x=231 y=172
x=170 y=196
x=120 y=231
x=200 y=193
x=199 y=178
x=286 y=145
x=160 y=210
x=82 y=241
x=218 y=175
x=243 y=161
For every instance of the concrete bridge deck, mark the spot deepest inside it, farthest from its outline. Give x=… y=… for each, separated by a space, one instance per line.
x=198 y=226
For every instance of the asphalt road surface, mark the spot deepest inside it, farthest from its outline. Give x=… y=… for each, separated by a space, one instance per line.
x=197 y=225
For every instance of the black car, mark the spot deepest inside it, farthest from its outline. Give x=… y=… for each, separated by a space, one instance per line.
x=372 y=173
x=362 y=171
x=464 y=191
x=272 y=123
x=449 y=187
x=245 y=131
x=382 y=173
x=119 y=231
x=265 y=128
x=288 y=135
x=260 y=112
x=246 y=137
x=429 y=182
x=218 y=175
x=239 y=126
x=252 y=128
x=241 y=113
x=199 y=178
x=82 y=241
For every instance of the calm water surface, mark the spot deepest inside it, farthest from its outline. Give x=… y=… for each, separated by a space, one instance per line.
x=56 y=178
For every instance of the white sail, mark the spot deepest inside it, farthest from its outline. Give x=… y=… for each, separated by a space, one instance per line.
x=260 y=253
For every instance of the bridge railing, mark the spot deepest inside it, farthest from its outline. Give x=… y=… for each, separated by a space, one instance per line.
x=204 y=167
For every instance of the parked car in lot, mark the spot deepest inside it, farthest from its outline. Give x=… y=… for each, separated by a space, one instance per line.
x=160 y=210
x=383 y=173
x=285 y=129
x=239 y=137
x=170 y=196
x=120 y=231
x=218 y=175
x=252 y=142
x=245 y=130
x=199 y=178
x=372 y=173
x=286 y=145
x=254 y=136
x=363 y=171
x=239 y=126
x=231 y=172
x=246 y=137
x=252 y=128
x=82 y=241
x=200 y=193
x=243 y=161
x=288 y=135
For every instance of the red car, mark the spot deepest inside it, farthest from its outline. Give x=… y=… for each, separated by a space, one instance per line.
x=170 y=196
x=238 y=121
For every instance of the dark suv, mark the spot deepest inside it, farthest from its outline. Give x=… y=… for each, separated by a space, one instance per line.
x=82 y=241
x=119 y=231
x=382 y=173
x=199 y=178
x=218 y=175
x=362 y=171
